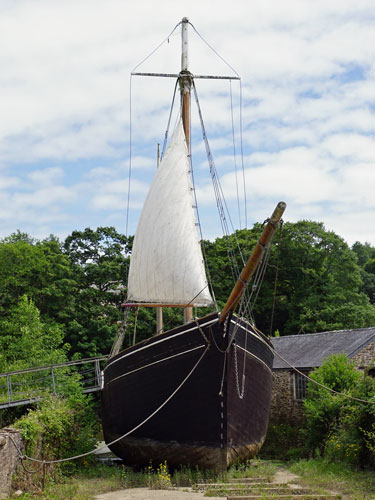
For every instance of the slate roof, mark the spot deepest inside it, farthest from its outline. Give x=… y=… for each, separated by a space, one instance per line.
x=310 y=349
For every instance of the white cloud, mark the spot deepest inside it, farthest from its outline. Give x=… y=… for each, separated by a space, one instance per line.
x=351 y=147
x=307 y=73
x=47 y=175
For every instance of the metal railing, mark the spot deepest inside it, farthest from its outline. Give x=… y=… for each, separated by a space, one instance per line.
x=30 y=385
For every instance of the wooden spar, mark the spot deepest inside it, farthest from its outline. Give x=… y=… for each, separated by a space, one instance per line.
x=153 y=304
x=252 y=263
x=159 y=320
x=185 y=89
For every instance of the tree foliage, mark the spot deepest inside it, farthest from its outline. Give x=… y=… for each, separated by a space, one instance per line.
x=38 y=269
x=319 y=282
x=366 y=260
x=78 y=285
x=26 y=341
x=99 y=260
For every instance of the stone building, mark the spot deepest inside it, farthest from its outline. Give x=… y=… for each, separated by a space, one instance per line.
x=306 y=352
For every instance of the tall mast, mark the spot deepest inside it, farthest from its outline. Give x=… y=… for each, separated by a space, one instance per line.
x=185 y=78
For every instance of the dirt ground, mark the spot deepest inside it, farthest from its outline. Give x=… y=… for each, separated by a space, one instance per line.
x=281 y=476
x=146 y=494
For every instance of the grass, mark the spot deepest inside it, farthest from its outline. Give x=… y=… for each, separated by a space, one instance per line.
x=253 y=468
x=99 y=478
x=318 y=474
x=351 y=483
x=84 y=485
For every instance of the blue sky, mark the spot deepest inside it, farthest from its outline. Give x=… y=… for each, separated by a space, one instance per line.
x=307 y=70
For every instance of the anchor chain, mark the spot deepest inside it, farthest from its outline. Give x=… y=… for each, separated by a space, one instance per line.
x=240 y=392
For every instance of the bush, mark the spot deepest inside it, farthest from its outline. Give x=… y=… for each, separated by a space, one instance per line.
x=338 y=427
x=59 y=428
x=284 y=442
x=323 y=407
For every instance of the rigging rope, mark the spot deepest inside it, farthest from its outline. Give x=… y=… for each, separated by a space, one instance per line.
x=259 y=276
x=23 y=456
x=44 y=462
x=234 y=152
x=130 y=159
x=157 y=48
x=130 y=119
x=242 y=160
x=208 y=274
x=169 y=121
x=241 y=128
x=213 y=50
x=345 y=395
x=276 y=276
x=220 y=200
x=221 y=203
x=304 y=374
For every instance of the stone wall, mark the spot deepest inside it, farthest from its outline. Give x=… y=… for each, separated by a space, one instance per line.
x=366 y=357
x=9 y=458
x=284 y=407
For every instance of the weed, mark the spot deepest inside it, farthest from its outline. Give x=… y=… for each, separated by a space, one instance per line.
x=350 y=482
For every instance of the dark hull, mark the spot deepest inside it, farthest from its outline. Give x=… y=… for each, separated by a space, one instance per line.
x=205 y=422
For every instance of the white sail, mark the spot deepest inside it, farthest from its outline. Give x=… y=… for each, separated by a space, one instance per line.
x=166 y=265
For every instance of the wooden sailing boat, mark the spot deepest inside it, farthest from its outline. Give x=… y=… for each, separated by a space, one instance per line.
x=198 y=394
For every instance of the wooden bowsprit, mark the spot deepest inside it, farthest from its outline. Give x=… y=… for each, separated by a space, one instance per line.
x=253 y=262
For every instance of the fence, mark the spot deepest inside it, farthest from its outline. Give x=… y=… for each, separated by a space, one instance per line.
x=27 y=386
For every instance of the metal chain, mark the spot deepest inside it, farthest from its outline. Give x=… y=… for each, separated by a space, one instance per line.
x=240 y=392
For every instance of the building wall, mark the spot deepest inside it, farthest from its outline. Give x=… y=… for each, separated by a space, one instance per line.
x=9 y=458
x=283 y=405
x=284 y=408
x=366 y=357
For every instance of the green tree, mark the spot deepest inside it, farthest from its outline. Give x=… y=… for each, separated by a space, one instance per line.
x=225 y=258
x=324 y=281
x=319 y=282
x=364 y=252
x=27 y=341
x=100 y=262
x=39 y=270
x=366 y=259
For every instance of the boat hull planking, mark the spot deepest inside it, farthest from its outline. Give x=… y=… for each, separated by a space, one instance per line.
x=221 y=392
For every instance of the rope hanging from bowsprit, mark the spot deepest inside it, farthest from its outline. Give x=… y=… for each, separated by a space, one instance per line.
x=276 y=276
x=180 y=385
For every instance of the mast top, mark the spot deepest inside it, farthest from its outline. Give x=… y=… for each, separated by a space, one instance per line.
x=184 y=50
